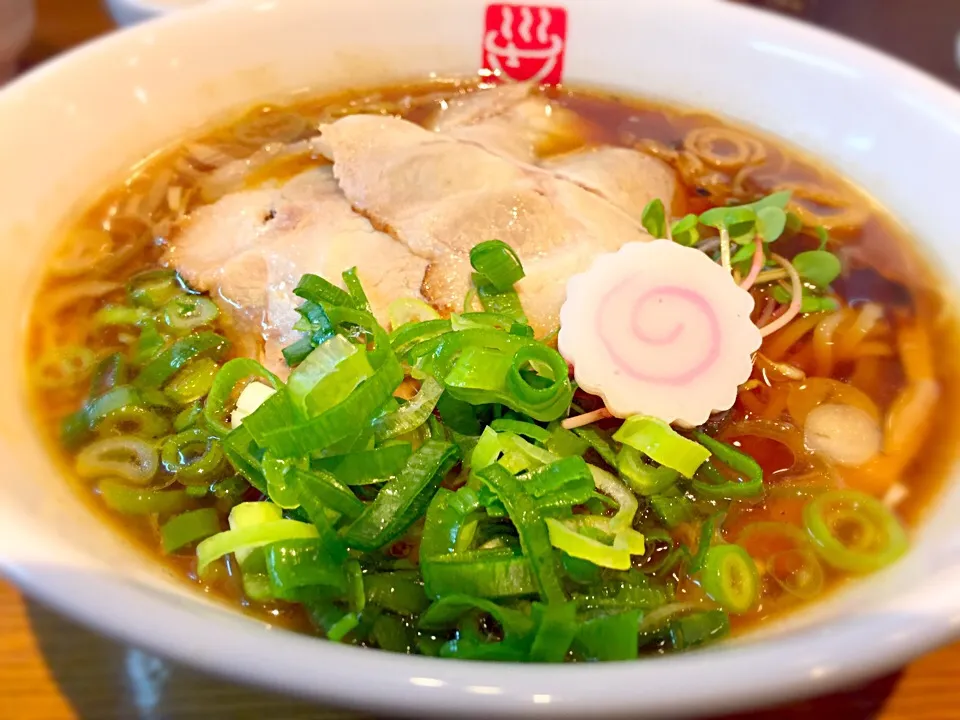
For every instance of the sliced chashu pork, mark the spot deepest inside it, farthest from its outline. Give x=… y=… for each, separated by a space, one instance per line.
x=440 y=196
x=250 y=248
x=517 y=122
x=513 y=120
x=627 y=178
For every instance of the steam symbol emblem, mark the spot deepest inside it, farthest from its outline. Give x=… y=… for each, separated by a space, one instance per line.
x=525 y=42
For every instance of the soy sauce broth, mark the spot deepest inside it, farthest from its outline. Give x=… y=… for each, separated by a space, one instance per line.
x=883 y=265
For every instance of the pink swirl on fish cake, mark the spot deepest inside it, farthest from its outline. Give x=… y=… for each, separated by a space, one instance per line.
x=664 y=341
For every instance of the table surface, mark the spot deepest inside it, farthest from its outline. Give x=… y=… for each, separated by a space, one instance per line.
x=54 y=669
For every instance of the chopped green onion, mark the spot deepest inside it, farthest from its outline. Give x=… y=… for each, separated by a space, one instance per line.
x=715 y=485
x=78 y=427
x=798 y=572
x=355 y=590
x=274 y=429
x=409 y=310
x=281 y=491
x=149 y=344
x=609 y=637
x=133 y=420
x=459 y=416
x=501 y=302
x=137 y=501
x=444 y=522
x=406 y=337
x=518 y=427
x=296 y=353
x=658 y=441
x=193 y=456
x=403 y=500
x=533 y=455
x=487 y=450
x=412 y=415
x=391 y=634
x=188 y=528
x=600 y=442
x=130 y=458
x=565 y=443
x=165 y=365
x=185 y=313
x=154 y=288
x=571 y=476
x=327 y=491
x=698 y=629
x=498 y=263
x=399 y=592
x=352 y=282
x=250 y=537
x=445 y=612
x=245 y=455
x=534 y=536
x=299 y=563
x=317 y=290
x=556 y=629
x=120 y=315
x=340 y=629
x=730 y=578
x=707 y=531
x=672 y=509
x=495 y=573
x=328 y=375
x=572 y=536
x=225 y=385
x=485 y=375
x=252 y=561
x=643 y=478
x=188 y=417
x=630 y=590
x=110 y=372
x=586 y=548
x=193 y=382
x=366 y=467
x=853 y=531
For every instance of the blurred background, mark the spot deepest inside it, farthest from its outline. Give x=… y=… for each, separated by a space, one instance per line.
x=52 y=669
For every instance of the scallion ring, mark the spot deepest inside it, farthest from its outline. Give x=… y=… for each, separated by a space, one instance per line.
x=129 y=458
x=194 y=456
x=730 y=578
x=186 y=313
x=154 y=288
x=524 y=391
x=853 y=531
x=133 y=420
x=227 y=385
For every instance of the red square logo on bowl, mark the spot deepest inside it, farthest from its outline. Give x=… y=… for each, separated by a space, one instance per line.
x=525 y=42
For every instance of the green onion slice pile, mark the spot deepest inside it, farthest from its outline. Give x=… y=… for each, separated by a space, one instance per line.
x=462 y=521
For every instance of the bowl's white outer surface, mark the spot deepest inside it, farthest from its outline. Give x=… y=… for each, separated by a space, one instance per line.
x=73 y=127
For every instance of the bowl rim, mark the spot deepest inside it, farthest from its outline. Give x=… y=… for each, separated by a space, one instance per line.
x=790 y=667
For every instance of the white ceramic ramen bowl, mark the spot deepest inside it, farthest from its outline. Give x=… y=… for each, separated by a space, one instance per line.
x=75 y=126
